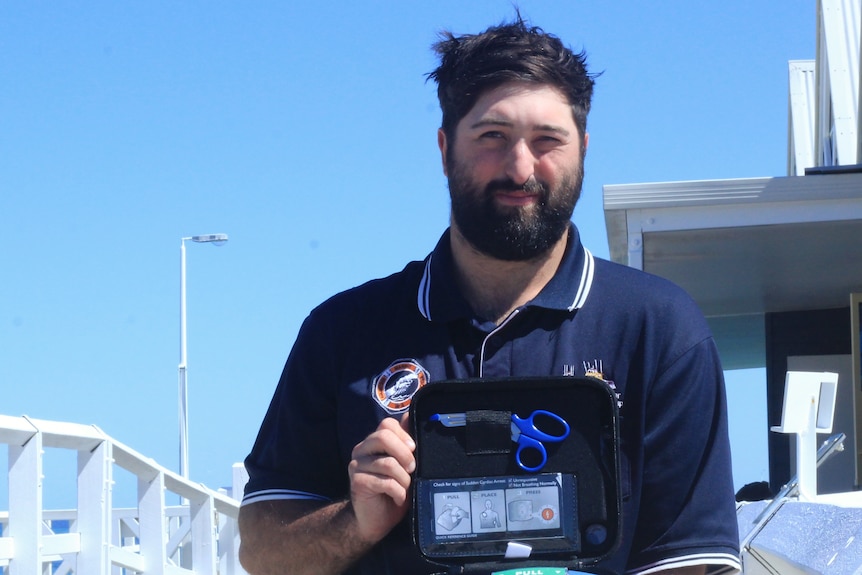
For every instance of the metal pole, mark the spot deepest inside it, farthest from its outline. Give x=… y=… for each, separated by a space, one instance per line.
x=834 y=444
x=183 y=383
x=217 y=240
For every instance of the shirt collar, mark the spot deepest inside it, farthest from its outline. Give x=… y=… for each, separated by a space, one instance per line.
x=439 y=299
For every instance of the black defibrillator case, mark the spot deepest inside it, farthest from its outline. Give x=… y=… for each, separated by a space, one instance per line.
x=476 y=509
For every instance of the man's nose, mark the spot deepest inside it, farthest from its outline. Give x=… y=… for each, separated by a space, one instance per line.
x=520 y=163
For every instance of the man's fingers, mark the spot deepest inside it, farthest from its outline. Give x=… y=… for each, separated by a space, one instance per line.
x=367 y=484
x=379 y=470
x=401 y=429
x=390 y=440
x=383 y=465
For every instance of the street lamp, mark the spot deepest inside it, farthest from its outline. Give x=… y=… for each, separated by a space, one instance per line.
x=215 y=239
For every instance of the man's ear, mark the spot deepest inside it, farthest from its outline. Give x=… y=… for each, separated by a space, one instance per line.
x=586 y=141
x=444 y=146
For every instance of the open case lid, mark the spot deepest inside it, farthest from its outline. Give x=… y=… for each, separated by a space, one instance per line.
x=480 y=505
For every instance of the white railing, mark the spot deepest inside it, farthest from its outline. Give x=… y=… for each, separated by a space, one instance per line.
x=197 y=536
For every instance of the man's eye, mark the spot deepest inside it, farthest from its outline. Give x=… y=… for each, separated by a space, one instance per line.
x=493 y=135
x=549 y=140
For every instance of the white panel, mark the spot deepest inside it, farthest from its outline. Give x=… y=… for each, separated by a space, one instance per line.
x=128 y=560
x=802 y=394
x=204 y=552
x=25 y=506
x=94 y=508
x=60 y=544
x=151 y=510
x=841 y=23
x=802 y=99
x=239 y=477
x=6 y=549
x=838 y=474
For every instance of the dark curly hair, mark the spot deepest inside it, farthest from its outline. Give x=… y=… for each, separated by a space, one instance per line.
x=472 y=64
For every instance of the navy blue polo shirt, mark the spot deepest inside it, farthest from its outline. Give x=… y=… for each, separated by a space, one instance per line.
x=361 y=355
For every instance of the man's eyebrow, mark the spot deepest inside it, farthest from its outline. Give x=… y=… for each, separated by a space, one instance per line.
x=491 y=122
x=484 y=122
x=551 y=128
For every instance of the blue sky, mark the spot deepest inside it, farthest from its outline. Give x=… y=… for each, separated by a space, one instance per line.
x=307 y=132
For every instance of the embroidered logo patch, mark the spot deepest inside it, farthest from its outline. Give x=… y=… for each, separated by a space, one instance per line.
x=395 y=387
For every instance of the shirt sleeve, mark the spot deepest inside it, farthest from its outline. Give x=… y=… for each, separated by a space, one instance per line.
x=296 y=454
x=687 y=509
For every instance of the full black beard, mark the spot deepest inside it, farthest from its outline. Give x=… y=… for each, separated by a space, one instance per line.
x=512 y=233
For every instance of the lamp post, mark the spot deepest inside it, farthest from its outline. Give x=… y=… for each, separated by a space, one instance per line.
x=215 y=239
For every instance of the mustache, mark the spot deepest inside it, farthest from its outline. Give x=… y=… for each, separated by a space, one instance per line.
x=531 y=186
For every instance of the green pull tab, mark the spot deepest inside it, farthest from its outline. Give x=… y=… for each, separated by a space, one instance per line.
x=534 y=571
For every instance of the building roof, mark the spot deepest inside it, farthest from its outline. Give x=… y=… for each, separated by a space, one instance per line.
x=744 y=247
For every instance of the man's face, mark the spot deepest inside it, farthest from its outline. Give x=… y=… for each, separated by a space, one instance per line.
x=515 y=171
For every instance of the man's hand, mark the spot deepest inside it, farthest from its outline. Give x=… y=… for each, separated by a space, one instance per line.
x=380 y=479
x=302 y=536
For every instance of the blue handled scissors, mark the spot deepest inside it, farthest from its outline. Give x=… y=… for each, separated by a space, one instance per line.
x=525 y=433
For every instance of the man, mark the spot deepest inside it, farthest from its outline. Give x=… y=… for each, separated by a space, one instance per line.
x=508 y=291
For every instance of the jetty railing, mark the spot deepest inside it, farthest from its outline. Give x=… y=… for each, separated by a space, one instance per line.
x=196 y=536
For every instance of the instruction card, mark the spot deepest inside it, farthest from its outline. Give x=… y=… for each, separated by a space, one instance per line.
x=487 y=508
